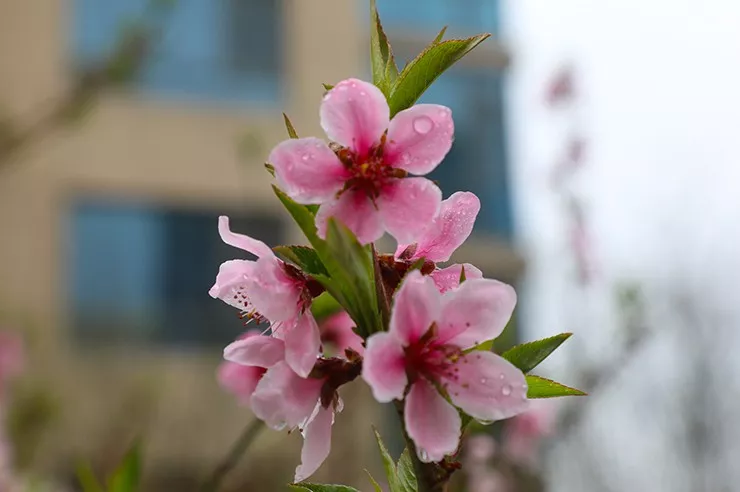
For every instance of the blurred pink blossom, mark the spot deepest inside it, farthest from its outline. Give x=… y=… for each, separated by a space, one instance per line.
x=337 y=331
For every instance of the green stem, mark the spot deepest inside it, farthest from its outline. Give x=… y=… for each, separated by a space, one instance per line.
x=229 y=462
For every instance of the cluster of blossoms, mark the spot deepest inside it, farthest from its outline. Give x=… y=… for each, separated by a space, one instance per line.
x=423 y=358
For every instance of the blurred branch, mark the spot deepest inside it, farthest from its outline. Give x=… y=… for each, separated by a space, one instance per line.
x=120 y=67
x=229 y=462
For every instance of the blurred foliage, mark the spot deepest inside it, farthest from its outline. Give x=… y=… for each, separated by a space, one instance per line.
x=125 y=478
x=33 y=410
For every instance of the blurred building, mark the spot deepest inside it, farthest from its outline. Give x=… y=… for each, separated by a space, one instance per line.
x=108 y=240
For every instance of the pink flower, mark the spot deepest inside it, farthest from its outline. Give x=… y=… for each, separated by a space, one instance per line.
x=337 y=331
x=284 y=399
x=240 y=379
x=523 y=433
x=424 y=347
x=268 y=288
x=362 y=180
x=449 y=229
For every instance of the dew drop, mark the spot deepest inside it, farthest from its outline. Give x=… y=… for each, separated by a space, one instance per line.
x=423 y=125
x=501 y=376
x=506 y=390
x=483 y=380
x=363 y=93
x=305 y=157
x=423 y=455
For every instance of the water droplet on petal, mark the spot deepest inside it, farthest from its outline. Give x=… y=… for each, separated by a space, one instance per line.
x=423 y=125
x=304 y=157
x=363 y=93
x=501 y=376
x=423 y=455
x=483 y=380
x=506 y=390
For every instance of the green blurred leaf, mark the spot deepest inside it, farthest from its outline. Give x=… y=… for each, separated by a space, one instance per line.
x=487 y=346
x=405 y=473
x=388 y=464
x=376 y=485
x=381 y=55
x=303 y=257
x=270 y=169
x=87 y=479
x=317 y=487
x=289 y=126
x=304 y=218
x=441 y=35
x=540 y=387
x=528 y=355
x=419 y=74
x=328 y=87
x=128 y=474
x=324 y=306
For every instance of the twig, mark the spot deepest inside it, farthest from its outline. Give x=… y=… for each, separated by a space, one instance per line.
x=229 y=462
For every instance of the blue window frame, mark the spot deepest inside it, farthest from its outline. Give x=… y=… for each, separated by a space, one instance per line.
x=141 y=274
x=228 y=50
x=463 y=16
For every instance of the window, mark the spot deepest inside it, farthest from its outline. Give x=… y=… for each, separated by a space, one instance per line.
x=141 y=274
x=207 y=49
x=463 y=16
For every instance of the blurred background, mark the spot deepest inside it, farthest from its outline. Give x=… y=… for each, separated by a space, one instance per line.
x=600 y=138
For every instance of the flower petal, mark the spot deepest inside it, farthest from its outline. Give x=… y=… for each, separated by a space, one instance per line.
x=431 y=422
x=408 y=206
x=416 y=306
x=316 y=443
x=283 y=398
x=476 y=311
x=337 y=331
x=354 y=210
x=272 y=292
x=260 y=351
x=254 y=246
x=239 y=380
x=419 y=138
x=449 y=278
x=488 y=387
x=307 y=170
x=231 y=283
x=354 y=114
x=450 y=228
x=383 y=367
x=302 y=343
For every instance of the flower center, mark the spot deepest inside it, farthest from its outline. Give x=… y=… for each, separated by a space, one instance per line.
x=369 y=172
x=432 y=360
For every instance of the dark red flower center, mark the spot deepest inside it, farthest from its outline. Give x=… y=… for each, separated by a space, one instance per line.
x=370 y=172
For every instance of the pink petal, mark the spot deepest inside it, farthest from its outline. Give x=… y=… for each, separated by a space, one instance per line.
x=449 y=278
x=231 y=283
x=408 y=206
x=302 y=343
x=476 y=311
x=337 y=330
x=384 y=367
x=419 y=138
x=283 y=398
x=261 y=351
x=356 y=211
x=272 y=292
x=431 y=422
x=307 y=170
x=316 y=443
x=488 y=387
x=254 y=246
x=354 y=114
x=450 y=228
x=416 y=306
x=239 y=380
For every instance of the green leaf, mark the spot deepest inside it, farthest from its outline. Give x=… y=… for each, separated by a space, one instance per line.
x=126 y=477
x=463 y=278
x=87 y=479
x=381 y=56
x=388 y=464
x=303 y=257
x=540 y=387
x=527 y=356
x=324 y=306
x=376 y=485
x=270 y=168
x=328 y=87
x=318 y=487
x=289 y=126
x=486 y=346
x=405 y=473
x=419 y=74
x=441 y=35
x=303 y=217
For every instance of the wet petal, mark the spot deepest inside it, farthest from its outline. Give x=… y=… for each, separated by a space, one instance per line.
x=230 y=285
x=261 y=351
x=419 y=138
x=254 y=246
x=431 y=422
x=354 y=210
x=449 y=278
x=316 y=443
x=307 y=170
x=272 y=292
x=450 y=228
x=416 y=306
x=384 y=367
x=283 y=398
x=476 y=311
x=488 y=387
x=408 y=207
x=302 y=343
x=354 y=114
